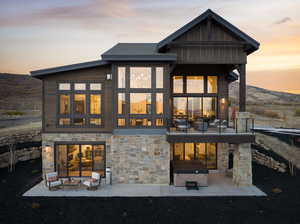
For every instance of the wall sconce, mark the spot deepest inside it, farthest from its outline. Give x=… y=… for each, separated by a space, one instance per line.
x=48 y=148
x=108 y=77
x=223 y=100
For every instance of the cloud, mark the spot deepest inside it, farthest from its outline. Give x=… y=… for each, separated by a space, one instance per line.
x=88 y=13
x=283 y=20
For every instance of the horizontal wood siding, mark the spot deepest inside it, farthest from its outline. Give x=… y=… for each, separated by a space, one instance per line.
x=50 y=98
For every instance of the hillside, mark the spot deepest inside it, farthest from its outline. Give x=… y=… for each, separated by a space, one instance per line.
x=20 y=92
x=260 y=96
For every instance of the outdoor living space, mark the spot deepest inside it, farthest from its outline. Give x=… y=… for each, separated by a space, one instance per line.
x=219 y=185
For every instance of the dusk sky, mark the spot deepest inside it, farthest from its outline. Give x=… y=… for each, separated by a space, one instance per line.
x=36 y=34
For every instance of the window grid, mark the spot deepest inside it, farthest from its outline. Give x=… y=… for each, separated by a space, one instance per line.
x=89 y=118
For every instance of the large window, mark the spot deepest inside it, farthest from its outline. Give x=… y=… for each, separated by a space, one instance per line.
x=212 y=84
x=140 y=77
x=204 y=153
x=79 y=160
x=141 y=102
x=195 y=84
x=79 y=104
x=177 y=84
x=195 y=107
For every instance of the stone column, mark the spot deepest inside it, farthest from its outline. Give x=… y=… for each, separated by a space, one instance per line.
x=242 y=167
x=47 y=156
x=223 y=157
x=242 y=122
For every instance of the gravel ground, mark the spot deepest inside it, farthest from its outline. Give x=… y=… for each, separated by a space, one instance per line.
x=281 y=207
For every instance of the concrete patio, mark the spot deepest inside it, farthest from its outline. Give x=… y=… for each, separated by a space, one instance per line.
x=219 y=185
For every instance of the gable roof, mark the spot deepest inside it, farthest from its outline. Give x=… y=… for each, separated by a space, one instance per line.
x=90 y=64
x=136 y=52
x=253 y=44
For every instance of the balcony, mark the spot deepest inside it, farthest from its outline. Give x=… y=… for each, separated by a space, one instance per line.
x=202 y=130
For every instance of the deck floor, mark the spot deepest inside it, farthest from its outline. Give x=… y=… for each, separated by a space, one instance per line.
x=219 y=185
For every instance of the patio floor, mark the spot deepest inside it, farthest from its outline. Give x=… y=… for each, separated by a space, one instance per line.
x=219 y=185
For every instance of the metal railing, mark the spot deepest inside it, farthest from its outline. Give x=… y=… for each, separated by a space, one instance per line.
x=204 y=126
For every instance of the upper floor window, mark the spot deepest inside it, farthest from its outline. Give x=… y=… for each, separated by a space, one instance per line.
x=121 y=77
x=177 y=84
x=195 y=84
x=79 y=104
x=140 y=103
x=212 y=84
x=140 y=77
x=140 y=96
x=159 y=77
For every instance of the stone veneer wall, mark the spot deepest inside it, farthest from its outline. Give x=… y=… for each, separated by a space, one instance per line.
x=223 y=157
x=242 y=165
x=48 y=139
x=143 y=159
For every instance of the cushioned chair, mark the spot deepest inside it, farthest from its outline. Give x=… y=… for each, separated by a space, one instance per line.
x=93 y=182
x=52 y=181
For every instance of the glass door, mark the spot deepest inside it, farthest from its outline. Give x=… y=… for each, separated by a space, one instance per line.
x=75 y=160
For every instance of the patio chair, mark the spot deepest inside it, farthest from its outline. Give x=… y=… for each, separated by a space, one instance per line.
x=215 y=123
x=52 y=181
x=200 y=125
x=93 y=182
x=181 y=124
x=222 y=125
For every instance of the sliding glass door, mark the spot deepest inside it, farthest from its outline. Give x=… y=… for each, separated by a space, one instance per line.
x=76 y=160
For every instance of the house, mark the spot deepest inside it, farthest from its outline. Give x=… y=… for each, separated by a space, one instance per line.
x=148 y=110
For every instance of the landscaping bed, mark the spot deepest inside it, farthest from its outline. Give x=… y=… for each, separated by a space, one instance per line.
x=280 y=207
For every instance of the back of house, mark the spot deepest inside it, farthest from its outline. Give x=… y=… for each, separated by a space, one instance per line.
x=152 y=112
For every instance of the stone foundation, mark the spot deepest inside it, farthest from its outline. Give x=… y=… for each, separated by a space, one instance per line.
x=143 y=159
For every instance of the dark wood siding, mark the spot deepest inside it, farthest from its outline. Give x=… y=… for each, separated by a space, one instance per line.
x=50 y=98
x=208 y=43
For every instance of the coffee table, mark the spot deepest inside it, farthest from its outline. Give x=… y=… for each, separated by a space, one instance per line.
x=71 y=183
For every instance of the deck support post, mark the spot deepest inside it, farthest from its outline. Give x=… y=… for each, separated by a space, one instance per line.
x=242 y=165
x=242 y=89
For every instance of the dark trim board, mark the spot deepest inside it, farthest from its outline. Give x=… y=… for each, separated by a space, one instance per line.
x=212 y=138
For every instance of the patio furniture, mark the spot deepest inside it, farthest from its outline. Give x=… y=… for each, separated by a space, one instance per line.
x=93 y=182
x=200 y=125
x=222 y=125
x=52 y=181
x=215 y=123
x=73 y=183
x=181 y=124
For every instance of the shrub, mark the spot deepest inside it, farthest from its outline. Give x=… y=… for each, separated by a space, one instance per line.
x=297 y=113
x=13 y=113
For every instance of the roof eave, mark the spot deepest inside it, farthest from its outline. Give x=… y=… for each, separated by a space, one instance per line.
x=49 y=71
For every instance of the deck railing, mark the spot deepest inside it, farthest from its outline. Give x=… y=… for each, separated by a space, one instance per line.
x=201 y=126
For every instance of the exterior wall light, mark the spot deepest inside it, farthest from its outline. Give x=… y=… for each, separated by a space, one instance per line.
x=108 y=77
x=223 y=100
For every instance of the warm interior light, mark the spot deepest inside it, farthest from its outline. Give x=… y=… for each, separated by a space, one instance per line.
x=223 y=100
